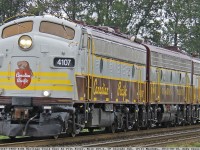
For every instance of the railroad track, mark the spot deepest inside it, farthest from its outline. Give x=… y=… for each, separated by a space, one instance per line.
x=146 y=138
x=153 y=140
x=173 y=141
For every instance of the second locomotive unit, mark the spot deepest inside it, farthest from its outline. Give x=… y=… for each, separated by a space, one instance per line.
x=57 y=76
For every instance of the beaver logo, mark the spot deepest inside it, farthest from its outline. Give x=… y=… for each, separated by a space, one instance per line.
x=23 y=75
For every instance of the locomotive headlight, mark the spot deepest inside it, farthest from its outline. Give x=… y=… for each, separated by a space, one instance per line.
x=25 y=42
x=46 y=93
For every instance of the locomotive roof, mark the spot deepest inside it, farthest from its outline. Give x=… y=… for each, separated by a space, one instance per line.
x=97 y=32
x=110 y=36
x=168 y=52
x=196 y=60
x=41 y=18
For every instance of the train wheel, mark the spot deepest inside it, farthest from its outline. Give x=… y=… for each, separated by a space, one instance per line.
x=136 y=127
x=72 y=134
x=167 y=124
x=90 y=130
x=179 y=122
x=194 y=121
x=111 y=129
x=183 y=123
x=125 y=129
x=175 y=124
x=55 y=137
x=12 y=137
x=149 y=125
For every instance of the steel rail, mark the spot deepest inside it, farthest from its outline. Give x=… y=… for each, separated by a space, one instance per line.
x=172 y=141
x=141 y=141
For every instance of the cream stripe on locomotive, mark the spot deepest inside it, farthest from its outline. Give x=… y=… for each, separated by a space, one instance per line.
x=42 y=74
x=38 y=81
x=56 y=87
x=111 y=78
x=42 y=81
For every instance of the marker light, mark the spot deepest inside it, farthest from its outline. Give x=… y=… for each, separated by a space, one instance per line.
x=2 y=106
x=46 y=93
x=47 y=107
x=25 y=42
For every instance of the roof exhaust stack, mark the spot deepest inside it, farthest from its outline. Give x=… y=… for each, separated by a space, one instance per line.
x=137 y=39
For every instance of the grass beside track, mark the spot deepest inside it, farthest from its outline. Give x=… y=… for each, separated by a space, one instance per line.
x=186 y=144
x=3 y=137
x=6 y=137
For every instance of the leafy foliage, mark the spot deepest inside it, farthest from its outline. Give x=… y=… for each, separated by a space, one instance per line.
x=160 y=22
x=9 y=8
x=111 y=13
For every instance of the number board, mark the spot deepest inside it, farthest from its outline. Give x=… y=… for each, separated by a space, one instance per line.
x=63 y=62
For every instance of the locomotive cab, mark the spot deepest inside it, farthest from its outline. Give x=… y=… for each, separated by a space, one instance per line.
x=37 y=65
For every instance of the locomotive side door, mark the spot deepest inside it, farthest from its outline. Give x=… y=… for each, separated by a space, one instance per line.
x=158 y=86
x=198 y=89
x=89 y=67
x=187 y=87
x=83 y=79
x=140 y=100
x=83 y=53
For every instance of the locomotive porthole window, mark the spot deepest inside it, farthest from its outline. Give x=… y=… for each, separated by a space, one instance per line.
x=89 y=43
x=171 y=77
x=161 y=74
x=180 y=77
x=133 y=71
x=187 y=79
x=101 y=65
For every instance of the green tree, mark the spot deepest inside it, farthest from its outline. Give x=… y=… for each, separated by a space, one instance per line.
x=181 y=22
x=10 y=8
x=39 y=7
x=160 y=22
x=98 y=12
x=71 y=9
x=175 y=19
x=110 y=13
x=146 y=20
x=191 y=40
x=120 y=15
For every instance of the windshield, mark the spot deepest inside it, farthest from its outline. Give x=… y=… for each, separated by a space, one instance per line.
x=57 y=30
x=18 y=28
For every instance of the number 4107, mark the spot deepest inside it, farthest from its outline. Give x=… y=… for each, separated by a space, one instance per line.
x=64 y=62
